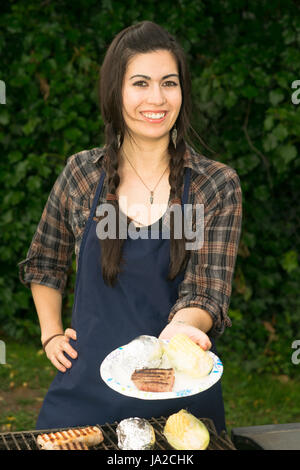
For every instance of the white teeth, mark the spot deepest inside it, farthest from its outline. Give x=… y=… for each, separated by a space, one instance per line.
x=154 y=115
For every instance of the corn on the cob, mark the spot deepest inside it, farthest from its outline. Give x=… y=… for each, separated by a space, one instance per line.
x=186 y=356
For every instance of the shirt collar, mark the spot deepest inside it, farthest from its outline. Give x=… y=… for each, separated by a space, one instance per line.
x=191 y=157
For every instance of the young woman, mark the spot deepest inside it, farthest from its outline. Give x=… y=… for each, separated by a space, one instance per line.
x=126 y=287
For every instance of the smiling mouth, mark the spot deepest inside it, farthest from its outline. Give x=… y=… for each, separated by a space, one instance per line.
x=154 y=116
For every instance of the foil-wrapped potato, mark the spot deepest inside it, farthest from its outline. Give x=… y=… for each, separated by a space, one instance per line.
x=135 y=434
x=142 y=352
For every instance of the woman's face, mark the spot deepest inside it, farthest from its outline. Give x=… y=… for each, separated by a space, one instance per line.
x=151 y=85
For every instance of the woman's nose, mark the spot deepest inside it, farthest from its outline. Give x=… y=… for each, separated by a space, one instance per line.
x=156 y=95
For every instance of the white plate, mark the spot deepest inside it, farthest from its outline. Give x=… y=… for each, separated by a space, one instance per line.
x=184 y=385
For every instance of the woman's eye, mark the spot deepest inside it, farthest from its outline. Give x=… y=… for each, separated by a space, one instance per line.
x=173 y=83
x=142 y=81
x=138 y=83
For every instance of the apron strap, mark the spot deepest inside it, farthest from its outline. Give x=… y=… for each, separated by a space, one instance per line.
x=97 y=194
x=89 y=221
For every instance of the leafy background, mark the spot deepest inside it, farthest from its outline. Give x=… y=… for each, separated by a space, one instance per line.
x=244 y=57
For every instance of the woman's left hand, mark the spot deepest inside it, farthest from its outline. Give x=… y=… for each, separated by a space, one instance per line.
x=198 y=336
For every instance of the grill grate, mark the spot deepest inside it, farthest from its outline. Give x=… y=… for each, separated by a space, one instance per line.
x=26 y=440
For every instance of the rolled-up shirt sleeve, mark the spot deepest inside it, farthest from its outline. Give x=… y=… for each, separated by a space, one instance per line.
x=50 y=254
x=207 y=283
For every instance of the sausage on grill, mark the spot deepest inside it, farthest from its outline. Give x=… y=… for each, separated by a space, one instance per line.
x=91 y=436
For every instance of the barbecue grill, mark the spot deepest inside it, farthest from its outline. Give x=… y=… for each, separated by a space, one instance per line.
x=26 y=440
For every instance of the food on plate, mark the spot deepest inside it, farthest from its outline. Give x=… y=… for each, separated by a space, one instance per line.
x=142 y=352
x=154 y=380
x=184 y=431
x=135 y=434
x=186 y=356
x=90 y=435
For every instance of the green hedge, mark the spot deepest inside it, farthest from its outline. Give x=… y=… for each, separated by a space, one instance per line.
x=244 y=57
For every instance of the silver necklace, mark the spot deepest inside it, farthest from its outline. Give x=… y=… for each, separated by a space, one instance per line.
x=151 y=191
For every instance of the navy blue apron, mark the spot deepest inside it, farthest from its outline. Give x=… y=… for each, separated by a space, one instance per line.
x=108 y=317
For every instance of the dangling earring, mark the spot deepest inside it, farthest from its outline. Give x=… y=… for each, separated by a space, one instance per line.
x=174 y=136
x=119 y=140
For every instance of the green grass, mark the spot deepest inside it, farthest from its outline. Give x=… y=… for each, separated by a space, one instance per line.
x=25 y=363
x=24 y=381
x=250 y=399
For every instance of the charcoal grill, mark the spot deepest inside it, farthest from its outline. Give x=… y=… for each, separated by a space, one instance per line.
x=26 y=440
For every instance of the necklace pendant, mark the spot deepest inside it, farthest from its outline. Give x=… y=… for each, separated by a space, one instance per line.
x=151 y=197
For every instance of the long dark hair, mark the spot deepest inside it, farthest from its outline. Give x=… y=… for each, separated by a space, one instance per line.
x=143 y=37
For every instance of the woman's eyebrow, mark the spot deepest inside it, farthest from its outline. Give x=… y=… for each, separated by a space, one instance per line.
x=149 y=78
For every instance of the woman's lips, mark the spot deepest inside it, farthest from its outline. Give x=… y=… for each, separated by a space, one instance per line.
x=155 y=120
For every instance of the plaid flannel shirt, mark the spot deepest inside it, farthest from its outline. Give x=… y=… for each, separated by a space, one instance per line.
x=207 y=282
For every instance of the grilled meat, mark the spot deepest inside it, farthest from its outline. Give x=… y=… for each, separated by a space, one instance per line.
x=154 y=380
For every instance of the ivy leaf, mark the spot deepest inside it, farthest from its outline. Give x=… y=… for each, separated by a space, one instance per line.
x=289 y=36
x=20 y=170
x=30 y=126
x=4 y=117
x=289 y=261
x=72 y=134
x=34 y=183
x=246 y=163
x=204 y=91
x=84 y=62
x=14 y=156
x=235 y=315
x=283 y=156
x=268 y=123
x=275 y=97
x=281 y=132
x=13 y=198
x=270 y=142
x=230 y=99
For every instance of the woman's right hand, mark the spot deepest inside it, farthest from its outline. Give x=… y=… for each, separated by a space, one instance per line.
x=57 y=346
